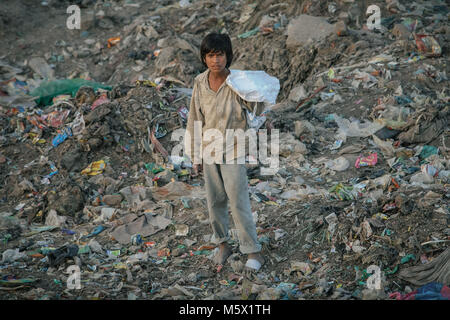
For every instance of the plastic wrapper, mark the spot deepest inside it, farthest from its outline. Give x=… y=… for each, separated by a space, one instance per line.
x=94 y=168
x=101 y=100
x=78 y=124
x=56 y=118
x=60 y=138
x=430 y=170
x=370 y=160
x=428 y=45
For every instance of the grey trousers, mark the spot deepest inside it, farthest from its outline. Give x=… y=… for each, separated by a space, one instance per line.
x=225 y=182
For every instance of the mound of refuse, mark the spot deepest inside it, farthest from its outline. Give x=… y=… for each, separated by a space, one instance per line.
x=93 y=176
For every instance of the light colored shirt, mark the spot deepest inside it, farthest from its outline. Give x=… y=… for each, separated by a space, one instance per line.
x=221 y=110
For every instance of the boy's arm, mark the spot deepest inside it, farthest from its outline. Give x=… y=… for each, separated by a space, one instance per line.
x=195 y=114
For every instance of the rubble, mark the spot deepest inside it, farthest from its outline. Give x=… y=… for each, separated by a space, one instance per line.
x=305 y=28
x=88 y=177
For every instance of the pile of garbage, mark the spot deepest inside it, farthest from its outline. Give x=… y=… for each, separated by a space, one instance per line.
x=93 y=180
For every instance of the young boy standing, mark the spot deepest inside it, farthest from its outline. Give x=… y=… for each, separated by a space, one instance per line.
x=215 y=106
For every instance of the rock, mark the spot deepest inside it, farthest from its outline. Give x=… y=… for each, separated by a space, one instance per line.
x=270 y=294
x=357 y=248
x=340 y=28
x=95 y=246
x=148 y=30
x=88 y=20
x=297 y=93
x=303 y=126
x=74 y=159
x=299 y=180
x=358 y=45
x=372 y=294
x=178 y=252
x=77 y=261
x=193 y=277
x=421 y=177
x=319 y=83
x=26 y=186
x=339 y=164
x=237 y=266
x=165 y=59
x=40 y=66
x=105 y=23
x=306 y=27
x=165 y=177
x=12 y=255
x=171 y=292
x=401 y=32
x=107 y=214
x=176 y=43
x=181 y=230
x=68 y=203
x=112 y=200
x=343 y=16
x=303 y=267
x=97 y=114
x=290 y=145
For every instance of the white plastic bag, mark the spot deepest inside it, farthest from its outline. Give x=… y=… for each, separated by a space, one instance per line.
x=254 y=86
x=78 y=124
x=355 y=128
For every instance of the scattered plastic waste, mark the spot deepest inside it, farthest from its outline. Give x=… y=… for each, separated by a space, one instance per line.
x=370 y=160
x=67 y=132
x=94 y=168
x=93 y=174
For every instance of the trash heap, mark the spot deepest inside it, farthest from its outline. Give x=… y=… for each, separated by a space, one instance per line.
x=89 y=176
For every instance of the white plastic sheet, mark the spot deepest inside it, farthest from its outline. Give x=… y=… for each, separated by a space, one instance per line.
x=254 y=86
x=355 y=128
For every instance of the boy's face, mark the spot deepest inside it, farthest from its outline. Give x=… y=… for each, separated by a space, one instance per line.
x=216 y=61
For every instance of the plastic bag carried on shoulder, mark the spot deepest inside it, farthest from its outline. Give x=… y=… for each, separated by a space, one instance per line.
x=254 y=86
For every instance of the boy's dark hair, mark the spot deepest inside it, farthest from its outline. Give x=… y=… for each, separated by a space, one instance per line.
x=216 y=42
